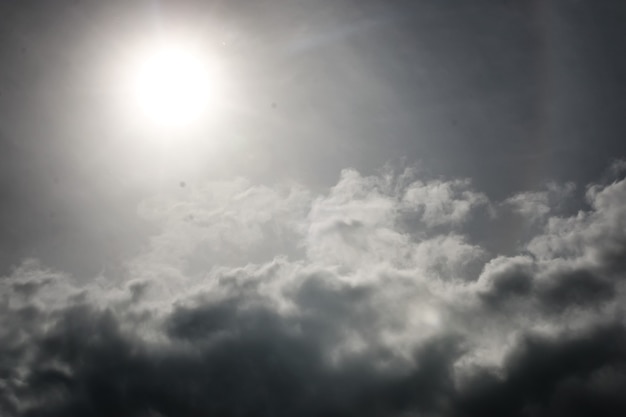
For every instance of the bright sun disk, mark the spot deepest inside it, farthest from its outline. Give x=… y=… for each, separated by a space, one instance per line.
x=171 y=86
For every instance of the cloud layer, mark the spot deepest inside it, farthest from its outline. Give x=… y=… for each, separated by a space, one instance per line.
x=369 y=299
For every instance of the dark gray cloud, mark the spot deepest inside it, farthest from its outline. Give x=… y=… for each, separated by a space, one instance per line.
x=370 y=317
x=578 y=288
x=506 y=278
x=577 y=375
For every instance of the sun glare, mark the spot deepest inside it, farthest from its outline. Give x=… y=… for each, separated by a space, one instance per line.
x=171 y=85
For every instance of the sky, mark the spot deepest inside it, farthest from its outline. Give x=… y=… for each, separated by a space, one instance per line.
x=392 y=208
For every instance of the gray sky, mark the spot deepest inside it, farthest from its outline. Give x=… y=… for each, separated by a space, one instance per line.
x=395 y=167
x=509 y=94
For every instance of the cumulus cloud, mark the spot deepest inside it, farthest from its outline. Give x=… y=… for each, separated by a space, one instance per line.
x=367 y=299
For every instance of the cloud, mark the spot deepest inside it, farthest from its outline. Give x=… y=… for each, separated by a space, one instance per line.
x=537 y=205
x=560 y=375
x=617 y=168
x=442 y=202
x=368 y=299
x=503 y=278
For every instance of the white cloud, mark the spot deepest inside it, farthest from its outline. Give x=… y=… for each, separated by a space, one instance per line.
x=442 y=202
x=537 y=205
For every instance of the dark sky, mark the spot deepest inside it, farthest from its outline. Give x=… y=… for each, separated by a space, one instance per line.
x=395 y=208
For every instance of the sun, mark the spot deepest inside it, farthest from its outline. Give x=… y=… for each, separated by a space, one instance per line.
x=171 y=85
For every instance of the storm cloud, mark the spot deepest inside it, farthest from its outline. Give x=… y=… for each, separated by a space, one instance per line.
x=370 y=298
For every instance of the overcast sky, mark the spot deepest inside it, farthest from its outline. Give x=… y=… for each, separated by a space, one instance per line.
x=395 y=208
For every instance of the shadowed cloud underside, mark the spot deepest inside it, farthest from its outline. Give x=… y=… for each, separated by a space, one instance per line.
x=370 y=298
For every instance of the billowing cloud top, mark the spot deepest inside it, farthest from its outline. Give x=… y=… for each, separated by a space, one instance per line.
x=372 y=298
